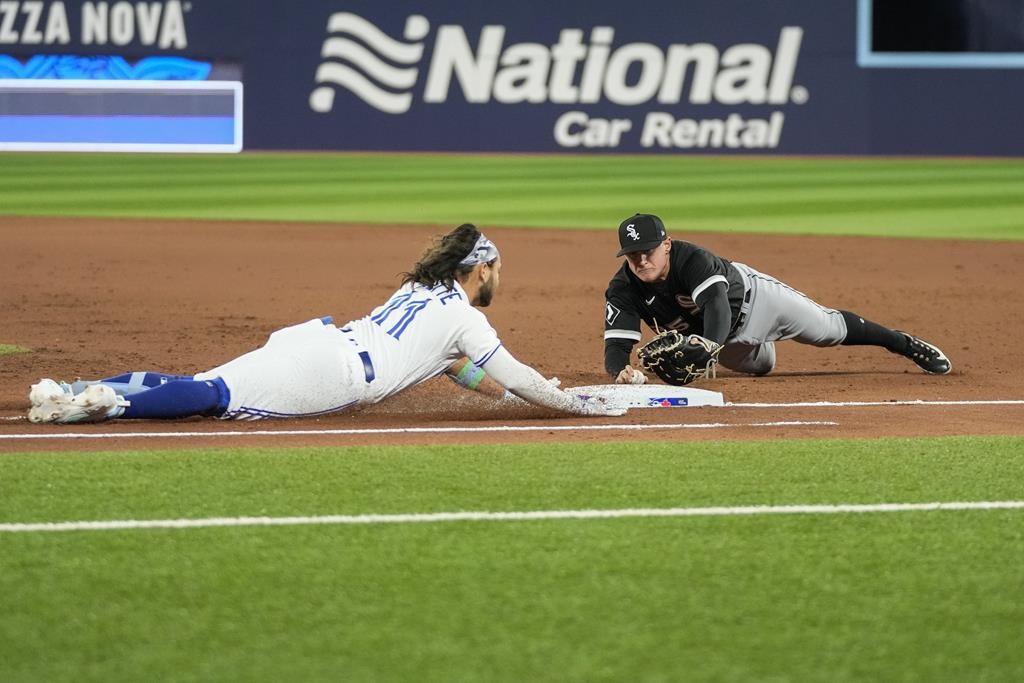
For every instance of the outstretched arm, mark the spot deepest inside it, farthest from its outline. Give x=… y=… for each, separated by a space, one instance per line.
x=530 y=385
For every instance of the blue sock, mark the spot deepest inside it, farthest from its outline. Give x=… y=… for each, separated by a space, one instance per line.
x=146 y=379
x=179 y=398
x=130 y=382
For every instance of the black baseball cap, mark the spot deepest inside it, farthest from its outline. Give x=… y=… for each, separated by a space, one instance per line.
x=640 y=232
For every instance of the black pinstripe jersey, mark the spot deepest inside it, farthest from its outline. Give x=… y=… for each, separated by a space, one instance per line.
x=669 y=304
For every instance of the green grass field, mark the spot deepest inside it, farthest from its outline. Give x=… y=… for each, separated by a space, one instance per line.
x=975 y=199
x=903 y=596
x=909 y=596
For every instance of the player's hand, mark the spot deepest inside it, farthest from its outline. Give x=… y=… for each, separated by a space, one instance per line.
x=598 y=406
x=630 y=375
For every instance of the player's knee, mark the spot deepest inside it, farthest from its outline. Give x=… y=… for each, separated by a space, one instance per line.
x=752 y=360
x=763 y=361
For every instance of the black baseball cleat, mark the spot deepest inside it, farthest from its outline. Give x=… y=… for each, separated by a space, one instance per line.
x=927 y=356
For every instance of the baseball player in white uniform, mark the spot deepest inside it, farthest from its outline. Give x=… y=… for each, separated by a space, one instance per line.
x=432 y=325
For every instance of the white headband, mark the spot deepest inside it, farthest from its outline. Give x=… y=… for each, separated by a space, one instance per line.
x=483 y=251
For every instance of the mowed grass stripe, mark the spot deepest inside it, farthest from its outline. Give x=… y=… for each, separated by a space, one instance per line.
x=758 y=211
x=470 y=170
x=699 y=190
x=269 y=172
x=706 y=193
x=990 y=223
x=986 y=223
x=46 y=487
x=20 y=163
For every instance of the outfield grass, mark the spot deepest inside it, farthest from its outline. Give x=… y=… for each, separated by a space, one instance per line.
x=914 y=596
x=972 y=199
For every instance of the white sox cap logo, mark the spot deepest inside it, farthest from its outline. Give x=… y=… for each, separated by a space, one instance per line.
x=631 y=231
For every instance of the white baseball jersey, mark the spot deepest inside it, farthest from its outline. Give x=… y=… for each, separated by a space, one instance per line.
x=418 y=333
x=316 y=368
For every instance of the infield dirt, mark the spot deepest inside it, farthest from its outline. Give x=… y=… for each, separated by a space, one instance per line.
x=96 y=297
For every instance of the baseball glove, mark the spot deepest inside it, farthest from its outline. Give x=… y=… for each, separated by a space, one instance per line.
x=679 y=358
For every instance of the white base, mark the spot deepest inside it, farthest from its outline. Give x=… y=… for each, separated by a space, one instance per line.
x=652 y=395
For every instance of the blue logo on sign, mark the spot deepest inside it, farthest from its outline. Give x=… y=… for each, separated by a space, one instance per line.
x=105 y=68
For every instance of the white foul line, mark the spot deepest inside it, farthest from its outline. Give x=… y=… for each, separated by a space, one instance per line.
x=805 y=404
x=111 y=525
x=861 y=404
x=407 y=430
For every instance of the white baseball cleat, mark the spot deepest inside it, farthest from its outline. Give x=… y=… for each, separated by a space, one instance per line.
x=96 y=404
x=48 y=390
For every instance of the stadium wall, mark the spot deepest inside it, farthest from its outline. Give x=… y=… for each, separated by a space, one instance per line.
x=663 y=76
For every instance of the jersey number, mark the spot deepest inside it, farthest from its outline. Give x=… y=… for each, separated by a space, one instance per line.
x=407 y=309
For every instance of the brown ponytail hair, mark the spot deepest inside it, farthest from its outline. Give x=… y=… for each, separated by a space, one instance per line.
x=440 y=262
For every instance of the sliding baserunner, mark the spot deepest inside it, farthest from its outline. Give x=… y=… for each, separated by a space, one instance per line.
x=432 y=325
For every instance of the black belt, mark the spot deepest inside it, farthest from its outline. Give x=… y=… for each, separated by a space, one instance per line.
x=742 y=317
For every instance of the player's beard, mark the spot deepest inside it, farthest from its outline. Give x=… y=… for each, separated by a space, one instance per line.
x=486 y=293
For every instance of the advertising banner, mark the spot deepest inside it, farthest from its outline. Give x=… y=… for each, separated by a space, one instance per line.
x=665 y=76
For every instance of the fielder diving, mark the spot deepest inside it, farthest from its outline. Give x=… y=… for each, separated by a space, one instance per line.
x=430 y=326
x=737 y=312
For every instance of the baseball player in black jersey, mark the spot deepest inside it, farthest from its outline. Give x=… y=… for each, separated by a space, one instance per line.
x=672 y=284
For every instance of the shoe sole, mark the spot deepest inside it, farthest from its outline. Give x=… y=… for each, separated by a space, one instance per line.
x=941 y=355
x=95 y=404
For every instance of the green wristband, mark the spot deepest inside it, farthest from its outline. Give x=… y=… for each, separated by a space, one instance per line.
x=470 y=376
x=478 y=377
